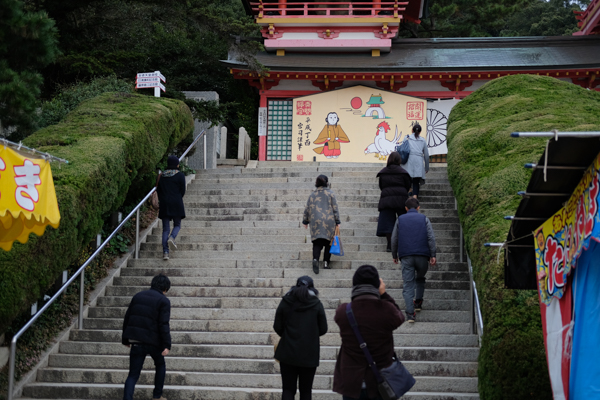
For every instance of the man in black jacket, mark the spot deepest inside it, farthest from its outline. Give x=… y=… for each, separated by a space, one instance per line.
x=146 y=330
x=413 y=242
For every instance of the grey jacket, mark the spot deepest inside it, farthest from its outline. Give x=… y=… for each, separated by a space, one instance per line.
x=418 y=161
x=322 y=214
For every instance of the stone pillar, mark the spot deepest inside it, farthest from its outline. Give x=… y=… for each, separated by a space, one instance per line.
x=223 y=152
x=213 y=148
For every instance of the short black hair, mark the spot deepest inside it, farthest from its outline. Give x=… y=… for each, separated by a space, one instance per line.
x=411 y=203
x=394 y=159
x=161 y=282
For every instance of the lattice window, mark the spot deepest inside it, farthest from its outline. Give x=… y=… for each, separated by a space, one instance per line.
x=279 y=130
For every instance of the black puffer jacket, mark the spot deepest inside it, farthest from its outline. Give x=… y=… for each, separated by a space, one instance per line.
x=299 y=326
x=394 y=183
x=147 y=319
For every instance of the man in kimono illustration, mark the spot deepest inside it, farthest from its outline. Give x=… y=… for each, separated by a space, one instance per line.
x=331 y=135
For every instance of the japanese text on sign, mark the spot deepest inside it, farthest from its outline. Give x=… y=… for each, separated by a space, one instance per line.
x=303 y=108
x=414 y=110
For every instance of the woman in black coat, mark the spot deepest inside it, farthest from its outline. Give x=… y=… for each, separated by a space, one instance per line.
x=394 y=183
x=170 y=190
x=299 y=320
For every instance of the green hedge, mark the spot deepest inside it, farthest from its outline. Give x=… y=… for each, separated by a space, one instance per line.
x=111 y=142
x=486 y=169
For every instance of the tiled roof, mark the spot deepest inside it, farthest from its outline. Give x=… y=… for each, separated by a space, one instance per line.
x=452 y=54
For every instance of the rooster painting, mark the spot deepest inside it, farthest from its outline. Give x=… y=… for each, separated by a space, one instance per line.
x=381 y=146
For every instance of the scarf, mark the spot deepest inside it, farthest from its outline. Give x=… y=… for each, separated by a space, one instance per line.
x=364 y=289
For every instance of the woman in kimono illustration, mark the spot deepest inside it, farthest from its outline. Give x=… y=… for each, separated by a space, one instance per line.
x=331 y=135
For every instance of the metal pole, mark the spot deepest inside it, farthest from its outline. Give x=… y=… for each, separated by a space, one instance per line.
x=204 y=151
x=472 y=313
x=81 y=295
x=582 y=134
x=137 y=234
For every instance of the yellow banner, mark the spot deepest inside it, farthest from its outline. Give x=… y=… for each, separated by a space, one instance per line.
x=356 y=124
x=561 y=239
x=27 y=197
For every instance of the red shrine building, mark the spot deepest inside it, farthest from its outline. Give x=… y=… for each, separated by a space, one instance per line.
x=314 y=48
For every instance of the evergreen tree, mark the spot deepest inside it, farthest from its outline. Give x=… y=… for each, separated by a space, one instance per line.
x=28 y=42
x=544 y=18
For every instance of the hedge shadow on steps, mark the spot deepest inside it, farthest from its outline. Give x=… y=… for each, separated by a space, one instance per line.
x=110 y=142
x=486 y=169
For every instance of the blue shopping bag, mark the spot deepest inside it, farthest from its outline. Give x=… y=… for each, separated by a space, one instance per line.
x=336 y=244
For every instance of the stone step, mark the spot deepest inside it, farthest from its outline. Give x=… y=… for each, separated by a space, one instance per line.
x=270 y=303
x=157 y=265
x=114 y=391
x=301 y=181
x=289 y=236
x=365 y=200
x=259 y=173
x=323 y=284
x=344 y=219
x=285 y=228
x=426 y=191
x=242 y=325
x=280 y=247
x=228 y=291
x=369 y=257
x=284 y=184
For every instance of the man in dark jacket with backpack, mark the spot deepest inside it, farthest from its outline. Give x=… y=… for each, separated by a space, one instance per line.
x=413 y=243
x=146 y=330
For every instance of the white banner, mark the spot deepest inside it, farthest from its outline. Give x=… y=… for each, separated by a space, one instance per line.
x=437 y=119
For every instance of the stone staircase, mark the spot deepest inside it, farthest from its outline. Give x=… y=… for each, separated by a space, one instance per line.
x=240 y=249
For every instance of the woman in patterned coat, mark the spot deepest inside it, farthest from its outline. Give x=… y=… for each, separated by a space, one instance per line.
x=322 y=214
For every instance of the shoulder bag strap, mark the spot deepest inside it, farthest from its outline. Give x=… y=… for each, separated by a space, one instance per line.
x=362 y=343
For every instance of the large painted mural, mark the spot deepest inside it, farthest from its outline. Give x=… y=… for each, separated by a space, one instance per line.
x=357 y=124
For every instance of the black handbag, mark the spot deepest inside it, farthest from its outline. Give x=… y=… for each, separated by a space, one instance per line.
x=392 y=381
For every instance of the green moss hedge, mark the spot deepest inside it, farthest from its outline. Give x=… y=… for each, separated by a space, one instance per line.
x=486 y=169
x=111 y=142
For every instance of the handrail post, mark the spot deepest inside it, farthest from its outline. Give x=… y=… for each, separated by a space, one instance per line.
x=81 y=296
x=204 y=158
x=137 y=234
x=11 y=368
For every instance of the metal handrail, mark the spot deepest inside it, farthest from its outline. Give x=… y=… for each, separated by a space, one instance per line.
x=81 y=272
x=474 y=298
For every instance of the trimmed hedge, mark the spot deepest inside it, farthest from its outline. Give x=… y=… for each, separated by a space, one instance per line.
x=110 y=141
x=486 y=169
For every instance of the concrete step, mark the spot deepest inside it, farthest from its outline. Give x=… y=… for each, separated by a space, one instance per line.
x=114 y=391
x=156 y=265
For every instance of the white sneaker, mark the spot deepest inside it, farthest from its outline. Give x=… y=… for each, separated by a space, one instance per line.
x=172 y=244
x=165 y=256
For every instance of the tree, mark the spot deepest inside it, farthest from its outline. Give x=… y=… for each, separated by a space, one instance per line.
x=184 y=39
x=463 y=18
x=543 y=18
x=28 y=42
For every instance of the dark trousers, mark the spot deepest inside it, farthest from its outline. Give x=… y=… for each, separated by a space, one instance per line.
x=415 y=185
x=318 y=245
x=363 y=396
x=137 y=355
x=291 y=375
x=414 y=269
x=167 y=231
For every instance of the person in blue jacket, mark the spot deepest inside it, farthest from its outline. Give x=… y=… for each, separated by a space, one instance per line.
x=413 y=243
